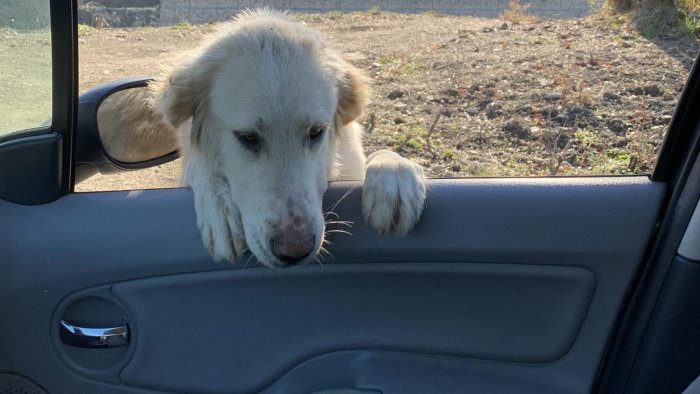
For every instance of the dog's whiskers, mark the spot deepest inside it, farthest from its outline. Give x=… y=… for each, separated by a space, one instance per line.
x=338 y=231
x=322 y=253
x=343 y=222
x=325 y=214
x=318 y=258
x=347 y=193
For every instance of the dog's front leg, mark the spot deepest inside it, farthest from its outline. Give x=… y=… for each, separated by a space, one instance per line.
x=219 y=223
x=394 y=192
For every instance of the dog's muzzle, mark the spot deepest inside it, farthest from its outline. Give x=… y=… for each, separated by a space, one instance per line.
x=292 y=245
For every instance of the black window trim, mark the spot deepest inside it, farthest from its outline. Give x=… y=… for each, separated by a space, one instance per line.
x=64 y=34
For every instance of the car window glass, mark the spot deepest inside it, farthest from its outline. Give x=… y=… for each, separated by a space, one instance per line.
x=25 y=65
x=510 y=91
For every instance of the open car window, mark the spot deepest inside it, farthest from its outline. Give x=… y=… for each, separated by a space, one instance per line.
x=520 y=91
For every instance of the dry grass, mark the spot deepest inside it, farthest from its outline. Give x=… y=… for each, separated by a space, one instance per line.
x=518 y=13
x=25 y=79
x=655 y=18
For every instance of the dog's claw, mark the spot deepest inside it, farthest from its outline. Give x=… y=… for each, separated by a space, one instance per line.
x=394 y=193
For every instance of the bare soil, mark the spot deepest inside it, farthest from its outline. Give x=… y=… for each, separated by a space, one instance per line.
x=465 y=96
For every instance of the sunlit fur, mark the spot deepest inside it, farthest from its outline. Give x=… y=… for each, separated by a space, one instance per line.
x=264 y=73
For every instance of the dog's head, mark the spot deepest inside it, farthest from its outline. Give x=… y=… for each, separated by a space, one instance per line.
x=267 y=101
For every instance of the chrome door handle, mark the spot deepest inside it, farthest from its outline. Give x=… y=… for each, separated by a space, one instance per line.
x=93 y=337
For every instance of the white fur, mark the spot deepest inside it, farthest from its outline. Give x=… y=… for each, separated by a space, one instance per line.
x=267 y=74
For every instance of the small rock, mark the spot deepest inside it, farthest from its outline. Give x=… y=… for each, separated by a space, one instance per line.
x=504 y=26
x=617 y=126
x=398 y=120
x=400 y=106
x=563 y=140
x=612 y=97
x=666 y=119
x=516 y=128
x=554 y=96
x=456 y=168
x=525 y=109
x=549 y=112
x=444 y=100
x=396 y=94
x=637 y=90
x=561 y=119
x=653 y=91
x=473 y=111
x=446 y=112
x=450 y=92
x=490 y=92
x=484 y=103
x=487 y=30
x=493 y=110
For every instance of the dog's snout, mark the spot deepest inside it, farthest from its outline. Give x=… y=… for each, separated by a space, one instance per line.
x=292 y=244
x=291 y=247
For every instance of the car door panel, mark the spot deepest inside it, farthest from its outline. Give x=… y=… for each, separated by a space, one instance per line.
x=506 y=285
x=254 y=325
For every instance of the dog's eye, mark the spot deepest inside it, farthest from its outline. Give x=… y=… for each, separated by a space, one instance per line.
x=249 y=139
x=316 y=132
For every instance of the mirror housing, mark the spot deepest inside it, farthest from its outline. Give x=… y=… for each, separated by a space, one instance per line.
x=92 y=157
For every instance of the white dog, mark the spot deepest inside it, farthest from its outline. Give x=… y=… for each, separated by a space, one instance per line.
x=266 y=116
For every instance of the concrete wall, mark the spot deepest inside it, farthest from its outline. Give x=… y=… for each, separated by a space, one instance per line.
x=201 y=11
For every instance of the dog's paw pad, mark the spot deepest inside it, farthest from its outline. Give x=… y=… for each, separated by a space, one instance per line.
x=394 y=193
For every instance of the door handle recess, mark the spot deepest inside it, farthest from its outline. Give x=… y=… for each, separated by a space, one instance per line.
x=94 y=337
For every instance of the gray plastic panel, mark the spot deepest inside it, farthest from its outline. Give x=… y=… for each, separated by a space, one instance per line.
x=254 y=325
x=690 y=245
x=86 y=240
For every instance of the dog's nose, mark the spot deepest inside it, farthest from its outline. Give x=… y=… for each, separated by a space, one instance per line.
x=290 y=249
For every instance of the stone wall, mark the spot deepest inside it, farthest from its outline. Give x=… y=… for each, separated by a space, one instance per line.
x=201 y=11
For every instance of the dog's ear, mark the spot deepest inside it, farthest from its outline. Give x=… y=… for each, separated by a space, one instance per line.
x=183 y=95
x=353 y=93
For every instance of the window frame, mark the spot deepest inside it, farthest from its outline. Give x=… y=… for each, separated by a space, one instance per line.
x=64 y=48
x=37 y=165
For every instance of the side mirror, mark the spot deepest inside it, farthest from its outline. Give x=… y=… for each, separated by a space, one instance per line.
x=120 y=129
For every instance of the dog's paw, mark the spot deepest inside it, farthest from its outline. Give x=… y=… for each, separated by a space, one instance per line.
x=394 y=192
x=221 y=229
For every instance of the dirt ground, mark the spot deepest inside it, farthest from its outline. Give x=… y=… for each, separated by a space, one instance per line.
x=464 y=96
